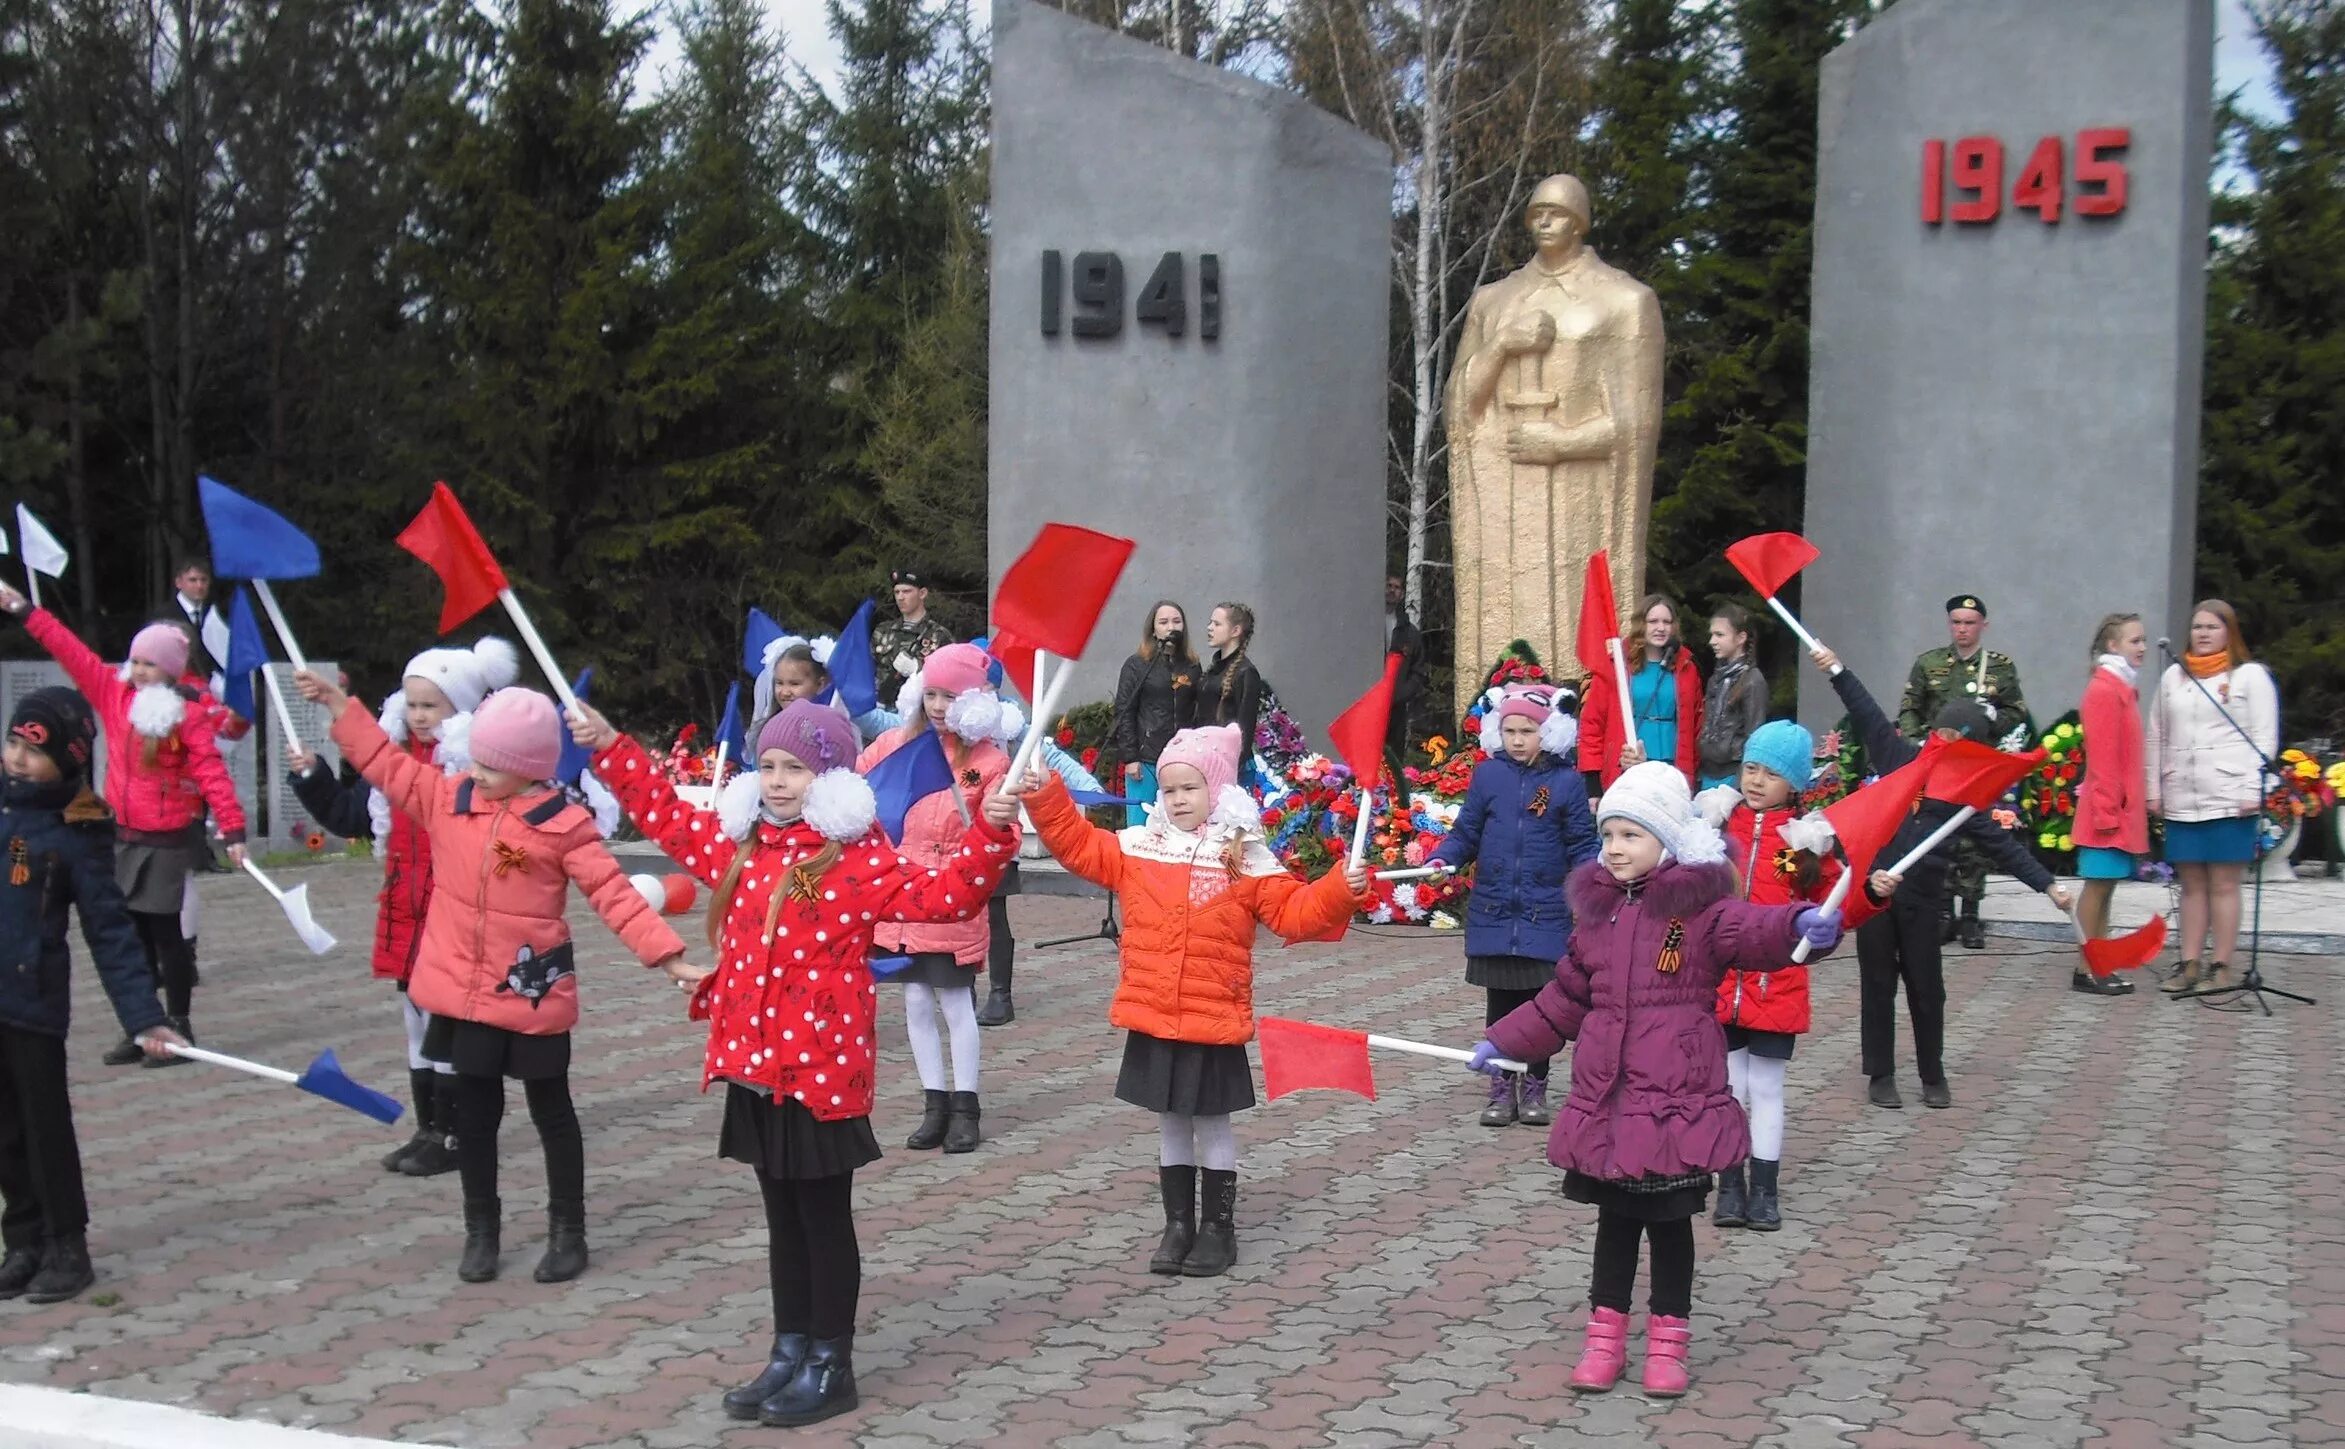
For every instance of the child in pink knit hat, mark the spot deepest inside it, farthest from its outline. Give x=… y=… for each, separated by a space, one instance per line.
x=496 y=969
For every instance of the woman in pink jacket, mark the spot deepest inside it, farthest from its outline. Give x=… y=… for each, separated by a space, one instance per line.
x=495 y=969
x=949 y=695
x=163 y=768
x=2112 y=825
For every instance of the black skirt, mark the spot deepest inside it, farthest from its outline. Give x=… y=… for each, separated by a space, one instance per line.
x=783 y=1140
x=1773 y=1045
x=1185 y=1077
x=152 y=870
x=476 y=1049
x=936 y=970
x=1650 y=1200
x=1508 y=973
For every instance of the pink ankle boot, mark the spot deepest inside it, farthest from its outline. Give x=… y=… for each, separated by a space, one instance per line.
x=1604 y=1357
x=1666 y=1342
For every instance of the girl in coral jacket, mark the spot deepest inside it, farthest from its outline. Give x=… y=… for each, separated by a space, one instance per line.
x=496 y=968
x=802 y=878
x=1192 y=883
x=430 y=718
x=1650 y=1116
x=1778 y=860
x=950 y=695
x=162 y=768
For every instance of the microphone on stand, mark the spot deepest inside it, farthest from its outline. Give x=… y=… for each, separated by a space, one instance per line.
x=2166 y=647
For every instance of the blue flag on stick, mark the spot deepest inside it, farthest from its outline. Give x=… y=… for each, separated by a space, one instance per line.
x=914 y=772
x=575 y=756
x=325 y=1078
x=248 y=650
x=852 y=674
x=250 y=541
x=730 y=729
x=762 y=631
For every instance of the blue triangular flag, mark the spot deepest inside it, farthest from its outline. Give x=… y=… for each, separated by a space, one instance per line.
x=248 y=650
x=575 y=756
x=852 y=674
x=326 y=1079
x=250 y=541
x=1089 y=798
x=729 y=729
x=915 y=771
x=886 y=968
x=762 y=631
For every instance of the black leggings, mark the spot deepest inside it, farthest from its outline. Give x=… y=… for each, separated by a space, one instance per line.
x=1503 y=1001
x=811 y=1249
x=1615 y=1277
x=1001 y=948
x=169 y=957
x=480 y=1110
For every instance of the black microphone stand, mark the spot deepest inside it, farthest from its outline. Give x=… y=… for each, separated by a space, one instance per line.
x=2251 y=985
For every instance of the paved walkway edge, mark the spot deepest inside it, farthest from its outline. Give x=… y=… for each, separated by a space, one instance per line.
x=57 y=1419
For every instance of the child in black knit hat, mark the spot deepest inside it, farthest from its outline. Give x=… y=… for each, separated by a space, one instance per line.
x=59 y=840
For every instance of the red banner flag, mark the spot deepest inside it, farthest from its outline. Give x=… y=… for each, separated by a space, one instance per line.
x=1599 y=618
x=1052 y=597
x=1017 y=660
x=1300 y=1055
x=1868 y=819
x=1359 y=731
x=2109 y=955
x=443 y=536
x=1969 y=773
x=1769 y=560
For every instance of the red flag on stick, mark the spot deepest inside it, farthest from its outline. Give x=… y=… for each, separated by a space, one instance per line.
x=1769 y=560
x=1300 y=1055
x=1969 y=773
x=1017 y=660
x=443 y=537
x=1052 y=597
x=2108 y=955
x=1599 y=618
x=1868 y=819
x=1359 y=732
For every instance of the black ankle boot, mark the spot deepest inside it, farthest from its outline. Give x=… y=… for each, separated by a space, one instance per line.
x=22 y=1265
x=1766 y=1215
x=1179 y=1185
x=823 y=1387
x=1973 y=934
x=1733 y=1199
x=438 y=1152
x=997 y=1010
x=781 y=1366
x=1216 y=1247
x=961 y=1134
x=419 y=1084
x=173 y=1059
x=930 y=1134
x=65 y=1271
x=124 y=1053
x=565 y=1255
x=483 y=1220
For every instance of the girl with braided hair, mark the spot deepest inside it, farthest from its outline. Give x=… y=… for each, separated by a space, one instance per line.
x=1231 y=691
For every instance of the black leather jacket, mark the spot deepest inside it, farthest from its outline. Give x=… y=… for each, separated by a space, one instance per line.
x=1153 y=699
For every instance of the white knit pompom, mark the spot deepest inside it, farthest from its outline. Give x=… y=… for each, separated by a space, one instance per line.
x=1013 y=723
x=156 y=711
x=1699 y=843
x=378 y=817
x=393 y=719
x=738 y=804
x=840 y=804
x=1236 y=812
x=500 y=666
x=455 y=744
x=823 y=647
x=603 y=803
x=1717 y=803
x=122 y=675
x=1493 y=736
x=1559 y=734
x=974 y=715
x=1812 y=833
x=908 y=699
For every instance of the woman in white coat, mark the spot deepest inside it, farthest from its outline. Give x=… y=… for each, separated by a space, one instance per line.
x=2215 y=720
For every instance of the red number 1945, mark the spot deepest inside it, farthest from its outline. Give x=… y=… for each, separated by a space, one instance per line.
x=1972 y=169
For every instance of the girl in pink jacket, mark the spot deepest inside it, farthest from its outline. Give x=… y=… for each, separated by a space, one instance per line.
x=495 y=969
x=949 y=695
x=163 y=768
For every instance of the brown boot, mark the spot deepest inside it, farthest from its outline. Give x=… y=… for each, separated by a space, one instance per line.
x=2185 y=978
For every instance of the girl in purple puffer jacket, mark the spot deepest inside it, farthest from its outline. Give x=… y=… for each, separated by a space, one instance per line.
x=1650 y=1117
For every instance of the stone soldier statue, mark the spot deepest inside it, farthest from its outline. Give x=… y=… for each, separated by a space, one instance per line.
x=1964 y=668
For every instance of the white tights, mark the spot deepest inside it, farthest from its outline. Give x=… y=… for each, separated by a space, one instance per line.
x=959 y=1005
x=1758 y=1085
x=1186 y=1141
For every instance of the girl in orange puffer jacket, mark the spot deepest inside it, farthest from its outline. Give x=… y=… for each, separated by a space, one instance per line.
x=1192 y=883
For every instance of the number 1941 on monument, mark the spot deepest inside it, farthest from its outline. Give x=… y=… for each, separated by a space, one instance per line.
x=2089 y=177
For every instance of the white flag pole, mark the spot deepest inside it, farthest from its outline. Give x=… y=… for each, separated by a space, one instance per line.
x=1796 y=626
x=1628 y=711
x=1360 y=826
x=1912 y=858
x=234 y=1064
x=1044 y=708
x=1447 y=1054
x=276 y=615
x=537 y=649
x=284 y=711
x=32 y=582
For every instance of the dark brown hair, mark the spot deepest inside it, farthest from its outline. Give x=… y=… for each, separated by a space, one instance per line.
x=1188 y=654
x=1243 y=617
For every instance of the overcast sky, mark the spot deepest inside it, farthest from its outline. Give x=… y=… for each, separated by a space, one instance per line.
x=2238 y=61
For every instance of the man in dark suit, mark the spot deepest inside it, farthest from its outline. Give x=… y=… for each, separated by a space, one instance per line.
x=190 y=600
x=1405 y=639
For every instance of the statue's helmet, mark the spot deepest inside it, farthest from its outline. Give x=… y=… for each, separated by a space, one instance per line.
x=1566 y=192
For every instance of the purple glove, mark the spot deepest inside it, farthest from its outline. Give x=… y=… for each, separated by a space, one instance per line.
x=1486 y=1057
x=1820 y=928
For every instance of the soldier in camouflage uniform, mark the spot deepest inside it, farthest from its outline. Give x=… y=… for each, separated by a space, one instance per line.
x=898 y=646
x=1963 y=668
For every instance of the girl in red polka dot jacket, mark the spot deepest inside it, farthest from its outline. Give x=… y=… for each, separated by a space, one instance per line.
x=801 y=873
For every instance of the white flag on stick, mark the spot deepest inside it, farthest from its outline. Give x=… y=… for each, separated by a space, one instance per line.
x=42 y=551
